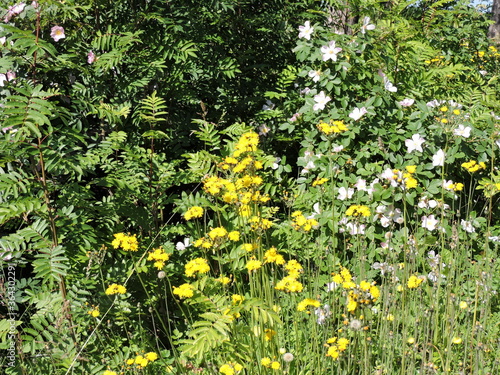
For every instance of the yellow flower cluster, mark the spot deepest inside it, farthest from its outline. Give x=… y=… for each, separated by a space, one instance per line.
x=305 y=303
x=458 y=186
x=300 y=222
x=242 y=191
x=249 y=247
x=248 y=142
x=219 y=232
x=198 y=265
x=193 y=213
x=237 y=299
x=115 y=289
x=224 y=280
x=437 y=60
x=253 y=265
x=127 y=243
x=410 y=181
x=358 y=210
x=142 y=361
x=335 y=127
x=215 y=237
x=336 y=346
x=230 y=368
x=293 y=268
x=269 y=334
x=159 y=256
x=268 y=363
x=411 y=168
x=231 y=314
x=258 y=223
x=344 y=278
x=491 y=53
x=290 y=283
x=365 y=293
x=184 y=291
x=272 y=256
x=473 y=166
x=319 y=181
x=94 y=312
x=414 y=282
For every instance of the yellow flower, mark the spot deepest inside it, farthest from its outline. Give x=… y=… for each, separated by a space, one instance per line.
x=184 y=291
x=365 y=285
x=127 y=243
x=141 y=363
x=237 y=299
x=248 y=247
x=234 y=235
x=272 y=256
x=193 y=213
x=456 y=111
x=275 y=365
x=289 y=284
x=253 y=265
x=108 y=372
x=443 y=109
x=337 y=279
x=410 y=182
x=358 y=210
x=266 y=361
x=259 y=223
x=375 y=292
x=237 y=367
x=94 y=312
x=116 y=289
x=218 y=232
x=456 y=340
x=304 y=304
x=319 y=181
x=473 y=166
x=351 y=304
x=159 y=256
x=333 y=352
x=151 y=356
x=411 y=340
x=198 y=265
x=293 y=268
x=231 y=368
x=389 y=317
x=130 y=361
x=342 y=344
x=244 y=210
x=411 y=168
x=414 y=282
x=463 y=305
x=224 y=280
x=269 y=334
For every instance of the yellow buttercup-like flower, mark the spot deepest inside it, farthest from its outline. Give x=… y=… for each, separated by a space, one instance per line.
x=116 y=289
x=358 y=210
x=253 y=265
x=193 y=213
x=126 y=242
x=414 y=282
x=198 y=265
x=304 y=304
x=184 y=291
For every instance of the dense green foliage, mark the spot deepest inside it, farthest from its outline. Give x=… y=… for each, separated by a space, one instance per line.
x=119 y=124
